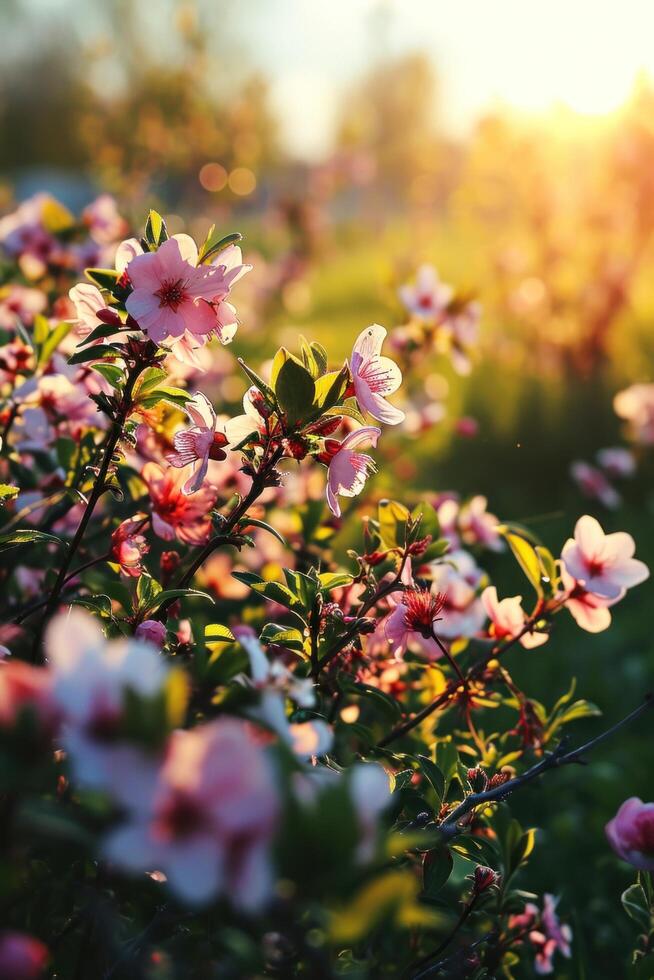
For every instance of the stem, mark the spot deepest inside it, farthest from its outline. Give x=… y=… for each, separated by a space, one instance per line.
x=554 y=760
x=226 y=536
x=112 y=440
x=393 y=586
x=466 y=912
x=406 y=726
x=71 y=575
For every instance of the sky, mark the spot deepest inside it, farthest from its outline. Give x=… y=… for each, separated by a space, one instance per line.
x=528 y=54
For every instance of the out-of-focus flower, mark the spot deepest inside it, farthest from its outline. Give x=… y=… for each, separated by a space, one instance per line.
x=174 y=514
x=22 y=957
x=593 y=484
x=631 y=833
x=205 y=816
x=173 y=295
x=197 y=445
x=20 y=303
x=374 y=376
x=26 y=688
x=90 y=678
x=462 y=323
x=636 y=405
x=617 y=461
x=411 y=622
x=602 y=563
x=370 y=791
x=545 y=933
x=275 y=683
x=457 y=580
x=477 y=526
x=508 y=619
x=129 y=546
x=349 y=469
x=467 y=427
x=103 y=220
x=151 y=631
x=428 y=297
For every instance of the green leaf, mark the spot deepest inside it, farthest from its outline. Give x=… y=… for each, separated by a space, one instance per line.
x=176 y=397
x=52 y=341
x=259 y=383
x=94 y=354
x=330 y=388
x=254 y=522
x=319 y=356
x=147 y=590
x=334 y=580
x=100 y=332
x=526 y=556
x=349 y=409
x=212 y=244
x=634 y=902
x=436 y=869
x=110 y=372
x=283 y=636
x=434 y=776
x=170 y=594
x=8 y=492
x=25 y=536
x=104 y=278
x=392 y=518
x=295 y=390
x=216 y=633
x=155 y=229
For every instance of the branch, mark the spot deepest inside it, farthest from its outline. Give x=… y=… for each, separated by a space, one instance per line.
x=553 y=760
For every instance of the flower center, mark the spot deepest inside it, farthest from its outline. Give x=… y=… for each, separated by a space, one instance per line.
x=172 y=293
x=422 y=608
x=375 y=377
x=180 y=816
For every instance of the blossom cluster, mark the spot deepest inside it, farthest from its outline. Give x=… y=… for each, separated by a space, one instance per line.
x=227 y=682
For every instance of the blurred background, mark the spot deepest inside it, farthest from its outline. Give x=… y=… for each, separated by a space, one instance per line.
x=510 y=145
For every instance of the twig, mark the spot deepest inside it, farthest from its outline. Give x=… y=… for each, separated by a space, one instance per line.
x=450 y=827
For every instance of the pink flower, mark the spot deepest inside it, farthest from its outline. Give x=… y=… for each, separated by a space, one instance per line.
x=103 y=220
x=636 y=405
x=253 y=421
x=91 y=308
x=20 y=303
x=198 y=444
x=22 y=957
x=594 y=484
x=457 y=580
x=90 y=677
x=411 y=622
x=174 y=514
x=172 y=294
x=349 y=469
x=128 y=546
x=602 y=563
x=589 y=611
x=205 y=816
x=26 y=688
x=616 y=461
x=151 y=631
x=631 y=833
x=428 y=298
x=478 y=526
x=545 y=933
x=375 y=376
x=508 y=619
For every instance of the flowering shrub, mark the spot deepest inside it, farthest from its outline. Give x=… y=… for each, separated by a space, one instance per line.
x=225 y=741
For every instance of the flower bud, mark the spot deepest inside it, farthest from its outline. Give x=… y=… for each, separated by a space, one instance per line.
x=483 y=878
x=151 y=631
x=478 y=780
